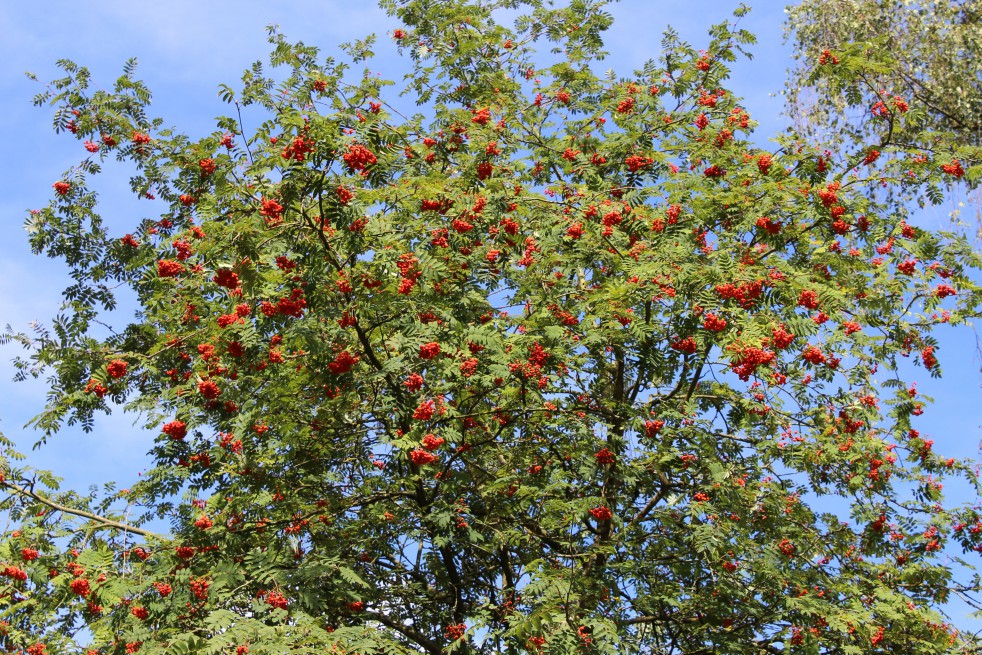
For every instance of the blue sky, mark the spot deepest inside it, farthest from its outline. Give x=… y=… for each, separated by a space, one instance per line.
x=186 y=48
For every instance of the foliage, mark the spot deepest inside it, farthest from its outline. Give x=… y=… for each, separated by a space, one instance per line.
x=929 y=55
x=563 y=364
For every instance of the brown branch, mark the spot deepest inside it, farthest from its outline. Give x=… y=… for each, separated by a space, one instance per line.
x=107 y=522
x=427 y=644
x=651 y=503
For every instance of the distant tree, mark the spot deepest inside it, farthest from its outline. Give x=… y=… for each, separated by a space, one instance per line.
x=932 y=54
x=563 y=365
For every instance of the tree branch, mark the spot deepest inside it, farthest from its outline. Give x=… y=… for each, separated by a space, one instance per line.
x=102 y=520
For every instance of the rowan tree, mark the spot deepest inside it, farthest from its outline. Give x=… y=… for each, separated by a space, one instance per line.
x=561 y=364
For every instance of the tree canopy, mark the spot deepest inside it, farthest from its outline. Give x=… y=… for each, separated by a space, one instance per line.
x=560 y=364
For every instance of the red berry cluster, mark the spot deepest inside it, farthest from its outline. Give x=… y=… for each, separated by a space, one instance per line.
x=455 y=632
x=635 y=163
x=299 y=148
x=209 y=389
x=431 y=442
x=769 y=225
x=686 y=346
x=954 y=169
x=80 y=586
x=601 y=513
x=199 y=587
x=604 y=457
x=358 y=158
x=749 y=360
x=274 y=599
x=224 y=277
x=272 y=211
x=116 y=368
x=169 y=268
x=808 y=299
x=827 y=58
x=176 y=430
x=422 y=457
x=745 y=294
x=652 y=428
x=429 y=350
x=343 y=362
x=424 y=411
x=714 y=323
